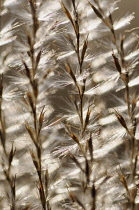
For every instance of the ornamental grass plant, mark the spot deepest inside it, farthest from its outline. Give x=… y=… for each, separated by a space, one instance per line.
x=69 y=106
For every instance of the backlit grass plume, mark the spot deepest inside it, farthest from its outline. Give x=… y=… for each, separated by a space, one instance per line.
x=69 y=102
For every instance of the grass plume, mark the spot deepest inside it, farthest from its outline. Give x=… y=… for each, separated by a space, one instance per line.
x=69 y=101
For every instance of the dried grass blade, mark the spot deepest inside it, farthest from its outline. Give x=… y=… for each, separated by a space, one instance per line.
x=84 y=51
x=41 y=118
x=13 y=187
x=11 y=155
x=38 y=58
x=35 y=162
x=31 y=133
x=75 y=138
x=96 y=11
x=68 y=15
x=121 y=120
x=77 y=163
x=71 y=72
x=27 y=70
x=1 y=86
x=117 y=64
x=87 y=117
x=90 y=146
x=87 y=171
x=79 y=202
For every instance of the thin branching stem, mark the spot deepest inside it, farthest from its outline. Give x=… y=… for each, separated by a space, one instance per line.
x=8 y=155
x=33 y=99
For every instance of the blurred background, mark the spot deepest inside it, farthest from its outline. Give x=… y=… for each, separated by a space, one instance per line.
x=126 y=6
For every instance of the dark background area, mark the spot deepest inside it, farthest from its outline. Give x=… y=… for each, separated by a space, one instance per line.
x=126 y=6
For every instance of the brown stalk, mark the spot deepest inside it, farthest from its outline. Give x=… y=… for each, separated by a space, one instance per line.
x=32 y=97
x=90 y=147
x=9 y=156
x=120 y=64
x=93 y=193
x=74 y=199
x=86 y=169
